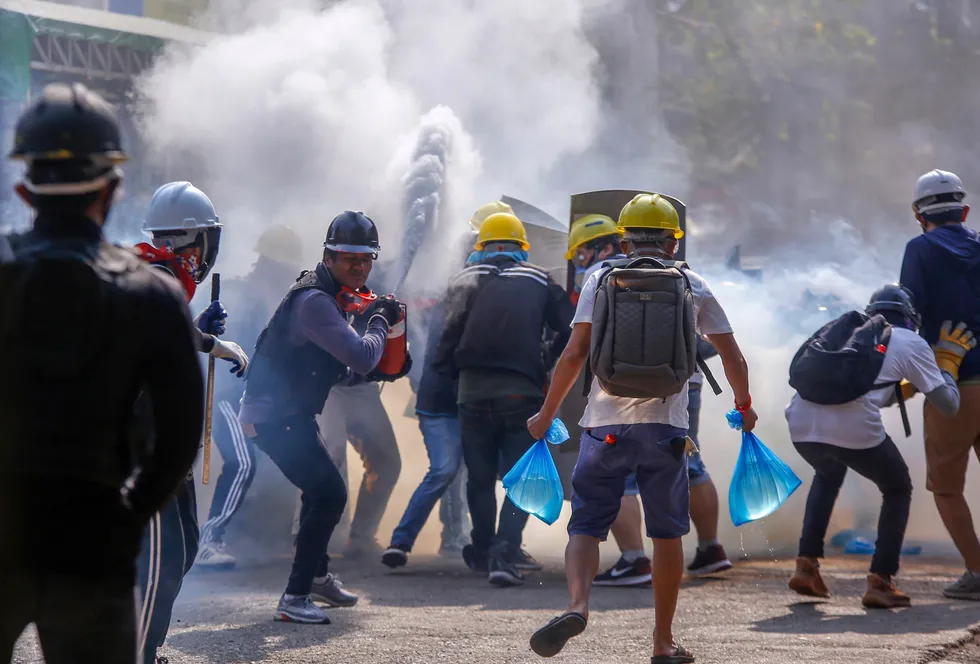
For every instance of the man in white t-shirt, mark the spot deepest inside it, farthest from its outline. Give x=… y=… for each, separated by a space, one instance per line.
x=833 y=438
x=642 y=436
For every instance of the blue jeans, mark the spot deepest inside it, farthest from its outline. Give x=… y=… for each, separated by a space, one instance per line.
x=445 y=448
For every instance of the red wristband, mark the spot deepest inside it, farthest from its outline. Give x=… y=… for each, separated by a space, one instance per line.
x=744 y=409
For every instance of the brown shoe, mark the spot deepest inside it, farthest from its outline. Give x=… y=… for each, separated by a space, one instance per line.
x=883 y=594
x=807 y=580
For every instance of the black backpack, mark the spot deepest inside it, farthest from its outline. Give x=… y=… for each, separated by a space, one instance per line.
x=842 y=360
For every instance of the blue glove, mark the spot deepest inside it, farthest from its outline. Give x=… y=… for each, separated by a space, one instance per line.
x=212 y=320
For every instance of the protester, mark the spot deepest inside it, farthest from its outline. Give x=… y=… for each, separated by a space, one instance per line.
x=641 y=435
x=835 y=437
x=497 y=310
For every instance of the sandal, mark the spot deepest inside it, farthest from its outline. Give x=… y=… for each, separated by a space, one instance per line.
x=681 y=656
x=550 y=639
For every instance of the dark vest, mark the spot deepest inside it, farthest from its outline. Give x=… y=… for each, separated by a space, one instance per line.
x=294 y=376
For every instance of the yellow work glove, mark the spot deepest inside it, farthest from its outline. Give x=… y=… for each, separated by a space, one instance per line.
x=953 y=345
x=908 y=389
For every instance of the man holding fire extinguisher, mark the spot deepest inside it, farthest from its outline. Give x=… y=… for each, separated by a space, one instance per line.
x=308 y=347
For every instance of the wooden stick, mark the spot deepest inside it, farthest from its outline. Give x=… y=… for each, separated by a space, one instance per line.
x=206 y=470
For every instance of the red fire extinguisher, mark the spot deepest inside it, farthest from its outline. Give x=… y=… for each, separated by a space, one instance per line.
x=396 y=347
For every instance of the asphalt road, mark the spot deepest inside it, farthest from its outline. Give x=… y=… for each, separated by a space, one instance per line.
x=435 y=610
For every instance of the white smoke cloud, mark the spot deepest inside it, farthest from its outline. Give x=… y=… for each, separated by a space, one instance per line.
x=299 y=112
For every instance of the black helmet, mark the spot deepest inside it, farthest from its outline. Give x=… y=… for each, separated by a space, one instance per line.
x=894 y=297
x=70 y=141
x=353 y=233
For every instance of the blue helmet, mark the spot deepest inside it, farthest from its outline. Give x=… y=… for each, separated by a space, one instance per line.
x=897 y=298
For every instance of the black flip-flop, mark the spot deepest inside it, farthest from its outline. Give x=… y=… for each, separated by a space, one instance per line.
x=550 y=639
x=681 y=656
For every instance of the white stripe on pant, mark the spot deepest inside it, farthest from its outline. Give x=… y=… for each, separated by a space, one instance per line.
x=242 y=479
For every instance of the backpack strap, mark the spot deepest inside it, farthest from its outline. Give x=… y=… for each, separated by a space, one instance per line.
x=886 y=337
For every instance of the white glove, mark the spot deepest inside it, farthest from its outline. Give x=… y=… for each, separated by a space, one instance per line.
x=229 y=350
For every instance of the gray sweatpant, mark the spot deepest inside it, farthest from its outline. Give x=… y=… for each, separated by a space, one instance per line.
x=356 y=415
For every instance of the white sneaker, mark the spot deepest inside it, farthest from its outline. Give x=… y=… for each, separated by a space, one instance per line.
x=212 y=556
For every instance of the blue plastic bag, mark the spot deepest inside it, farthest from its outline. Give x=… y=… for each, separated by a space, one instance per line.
x=761 y=482
x=533 y=483
x=865 y=546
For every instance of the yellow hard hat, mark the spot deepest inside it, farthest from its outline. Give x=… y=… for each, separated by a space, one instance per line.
x=650 y=211
x=502 y=227
x=588 y=228
x=280 y=243
x=484 y=211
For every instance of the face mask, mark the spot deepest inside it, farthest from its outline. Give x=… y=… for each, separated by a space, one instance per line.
x=516 y=255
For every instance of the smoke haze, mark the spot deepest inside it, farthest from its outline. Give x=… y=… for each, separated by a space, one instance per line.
x=296 y=112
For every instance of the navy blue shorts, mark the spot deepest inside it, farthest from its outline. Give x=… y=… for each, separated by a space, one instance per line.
x=696 y=472
x=655 y=454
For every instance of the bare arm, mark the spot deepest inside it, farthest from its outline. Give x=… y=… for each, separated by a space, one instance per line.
x=736 y=369
x=566 y=372
x=737 y=373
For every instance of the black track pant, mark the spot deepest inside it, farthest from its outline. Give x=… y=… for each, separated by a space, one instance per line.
x=169 y=548
x=237 y=471
x=79 y=620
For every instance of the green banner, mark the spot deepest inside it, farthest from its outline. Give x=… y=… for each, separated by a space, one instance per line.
x=16 y=35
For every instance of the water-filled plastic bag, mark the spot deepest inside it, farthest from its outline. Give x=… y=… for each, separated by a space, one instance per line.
x=761 y=482
x=533 y=483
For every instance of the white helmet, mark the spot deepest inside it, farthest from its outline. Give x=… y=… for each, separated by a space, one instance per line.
x=182 y=216
x=938 y=191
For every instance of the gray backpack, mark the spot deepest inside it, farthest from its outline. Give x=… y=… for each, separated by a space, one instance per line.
x=644 y=341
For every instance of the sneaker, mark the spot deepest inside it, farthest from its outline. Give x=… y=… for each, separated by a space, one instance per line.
x=475 y=560
x=883 y=594
x=711 y=560
x=395 y=556
x=161 y=660
x=967 y=587
x=331 y=592
x=624 y=573
x=212 y=556
x=807 y=580
x=524 y=561
x=300 y=609
x=503 y=572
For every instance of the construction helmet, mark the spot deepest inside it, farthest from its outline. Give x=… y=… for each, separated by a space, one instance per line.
x=938 y=191
x=588 y=228
x=181 y=216
x=894 y=297
x=502 y=227
x=280 y=243
x=353 y=233
x=70 y=141
x=486 y=210
x=650 y=211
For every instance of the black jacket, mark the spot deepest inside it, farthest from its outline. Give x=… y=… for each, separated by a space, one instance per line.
x=84 y=327
x=496 y=314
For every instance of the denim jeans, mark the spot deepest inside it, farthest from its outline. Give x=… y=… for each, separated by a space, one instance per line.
x=495 y=436
x=445 y=448
x=884 y=466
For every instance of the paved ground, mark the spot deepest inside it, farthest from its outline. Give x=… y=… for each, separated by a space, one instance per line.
x=436 y=611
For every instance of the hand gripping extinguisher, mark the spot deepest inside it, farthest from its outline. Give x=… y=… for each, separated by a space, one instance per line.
x=396 y=347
